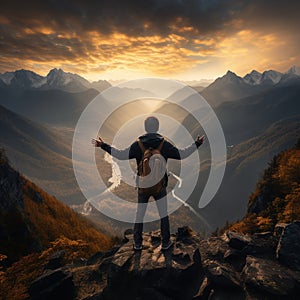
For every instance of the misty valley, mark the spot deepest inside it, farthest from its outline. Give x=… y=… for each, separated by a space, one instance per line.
x=259 y=118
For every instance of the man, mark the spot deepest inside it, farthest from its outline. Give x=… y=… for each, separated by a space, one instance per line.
x=154 y=140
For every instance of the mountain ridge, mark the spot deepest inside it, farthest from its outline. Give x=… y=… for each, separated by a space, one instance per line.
x=231 y=87
x=43 y=154
x=55 y=79
x=32 y=219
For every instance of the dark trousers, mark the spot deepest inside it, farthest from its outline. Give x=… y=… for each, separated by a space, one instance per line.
x=163 y=213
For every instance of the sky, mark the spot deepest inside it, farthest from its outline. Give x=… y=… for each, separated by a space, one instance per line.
x=128 y=39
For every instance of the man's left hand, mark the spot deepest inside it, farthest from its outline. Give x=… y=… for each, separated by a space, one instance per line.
x=200 y=139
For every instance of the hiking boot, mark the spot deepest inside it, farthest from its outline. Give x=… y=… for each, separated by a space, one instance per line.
x=137 y=246
x=166 y=246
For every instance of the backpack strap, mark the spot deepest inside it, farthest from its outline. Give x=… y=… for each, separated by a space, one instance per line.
x=141 y=145
x=161 y=145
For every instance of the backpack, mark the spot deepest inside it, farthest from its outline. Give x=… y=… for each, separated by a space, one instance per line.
x=151 y=170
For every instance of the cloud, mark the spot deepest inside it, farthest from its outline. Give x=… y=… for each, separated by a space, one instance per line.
x=153 y=36
x=132 y=17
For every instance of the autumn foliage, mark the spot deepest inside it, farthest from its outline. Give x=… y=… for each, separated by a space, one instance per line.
x=52 y=219
x=34 y=230
x=14 y=282
x=276 y=198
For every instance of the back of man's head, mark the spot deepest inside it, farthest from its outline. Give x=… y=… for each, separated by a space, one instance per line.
x=151 y=124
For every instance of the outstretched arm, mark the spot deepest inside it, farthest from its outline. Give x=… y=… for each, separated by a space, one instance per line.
x=117 y=153
x=176 y=153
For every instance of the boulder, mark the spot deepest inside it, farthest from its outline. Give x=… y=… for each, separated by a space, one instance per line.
x=213 y=248
x=237 y=240
x=56 y=260
x=235 y=258
x=57 y=284
x=270 y=278
x=288 y=249
x=100 y=256
x=222 y=275
x=279 y=229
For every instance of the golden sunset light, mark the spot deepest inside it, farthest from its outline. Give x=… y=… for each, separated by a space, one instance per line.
x=132 y=39
x=149 y=149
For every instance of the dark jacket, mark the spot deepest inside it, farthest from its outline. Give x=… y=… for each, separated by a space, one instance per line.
x=151 y=140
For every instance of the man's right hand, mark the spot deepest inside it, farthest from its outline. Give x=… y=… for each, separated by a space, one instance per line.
x=98 y=142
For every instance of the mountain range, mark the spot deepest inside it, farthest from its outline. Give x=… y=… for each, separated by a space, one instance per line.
x=256 y=127
x=55 y=79
x=231 y=87
x=70 y=82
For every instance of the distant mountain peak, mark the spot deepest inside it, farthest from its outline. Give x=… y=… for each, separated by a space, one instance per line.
x=56 y=78
x=271 y=76
x=22 y=79
x=55 y=71
x=294 y=70
x=59 y=79
x=230 y=77
x=253 y=78
x=254 y=72
x=230 y=74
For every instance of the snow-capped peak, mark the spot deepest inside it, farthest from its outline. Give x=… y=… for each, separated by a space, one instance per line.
x=271 y=76
x=253 y=78
x=23 y=78
x=57 y=78
x=7 y=77
x=294 y=70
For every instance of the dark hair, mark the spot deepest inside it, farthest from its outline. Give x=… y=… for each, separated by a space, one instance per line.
x=151 y=124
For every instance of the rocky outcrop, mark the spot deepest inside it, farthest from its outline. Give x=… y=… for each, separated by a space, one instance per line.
x=233 y=266
x=123 y=273
x=237 y=241
x=270 y=278
x=288 y=249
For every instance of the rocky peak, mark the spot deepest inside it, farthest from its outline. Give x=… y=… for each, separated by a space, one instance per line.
x=22 y=79
x=57 y=78
x=7 y=77
x=294 y=70
x=230 y=77
x=271 y=77
x=253 y=78
x=233 y=266
x=2 y=83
